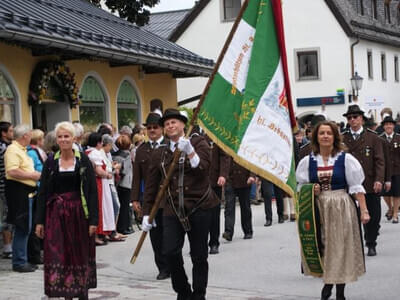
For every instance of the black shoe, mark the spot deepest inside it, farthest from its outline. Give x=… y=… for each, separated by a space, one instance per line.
x=163 y=275
x=268 y=223
x=395 y=220
x=34 y=266
x=7 y=255
x=214 y=249
x=129 y=231
x=281 y=219
x=371 y=251
x=227 y=236
x=388 y=215
x=184 y=296
x=24 y=268
x=248 y=236
x=36 y=261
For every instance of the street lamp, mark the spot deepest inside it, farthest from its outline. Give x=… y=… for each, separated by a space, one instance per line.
x=356 y=84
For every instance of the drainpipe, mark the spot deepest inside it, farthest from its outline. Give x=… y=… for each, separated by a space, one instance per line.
x=355 y=98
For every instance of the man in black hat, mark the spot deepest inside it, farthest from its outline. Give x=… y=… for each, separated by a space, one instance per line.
x=392 y=157
x=367 y=147
x=141 y=165
x=189 y=207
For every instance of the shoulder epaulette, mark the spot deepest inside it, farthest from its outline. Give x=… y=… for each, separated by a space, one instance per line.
x=305 y=145
x=345 y=132
x=372 y=131
x=141 y=145
x=382 y=135
x=195 y=134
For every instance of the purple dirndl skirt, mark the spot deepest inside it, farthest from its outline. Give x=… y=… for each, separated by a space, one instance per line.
x=69 y=252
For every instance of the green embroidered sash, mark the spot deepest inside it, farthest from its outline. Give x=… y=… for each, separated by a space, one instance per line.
x=308 y=231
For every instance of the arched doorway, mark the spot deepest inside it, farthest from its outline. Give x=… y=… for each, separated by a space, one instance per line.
x=305 y=118
x=52 y=92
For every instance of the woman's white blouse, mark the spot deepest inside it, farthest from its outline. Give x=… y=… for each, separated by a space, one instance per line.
x=353 y=171
x=96 y=157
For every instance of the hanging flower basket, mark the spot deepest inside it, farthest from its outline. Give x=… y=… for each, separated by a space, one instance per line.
x=61 y=75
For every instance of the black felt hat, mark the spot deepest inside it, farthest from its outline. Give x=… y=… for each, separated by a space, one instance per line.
x=152 y=118
x=172 y=113
x=316 y=119
x=353 y=110
x=388 y=119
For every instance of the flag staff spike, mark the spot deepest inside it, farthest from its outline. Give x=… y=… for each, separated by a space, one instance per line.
x=172 y=167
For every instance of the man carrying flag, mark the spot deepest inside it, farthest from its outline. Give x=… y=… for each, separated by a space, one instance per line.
x=189 y=205
x=253 y=124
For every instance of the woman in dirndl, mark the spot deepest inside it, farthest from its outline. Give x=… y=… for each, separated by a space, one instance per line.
x=337 y=177
x=106 y=212
x=67 y=218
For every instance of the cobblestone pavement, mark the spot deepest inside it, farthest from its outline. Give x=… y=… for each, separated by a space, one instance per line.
x=264 y=268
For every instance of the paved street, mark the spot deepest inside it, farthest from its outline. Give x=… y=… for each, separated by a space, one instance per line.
x=266 y=267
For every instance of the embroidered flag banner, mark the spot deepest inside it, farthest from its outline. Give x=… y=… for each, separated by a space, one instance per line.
x=247 y=110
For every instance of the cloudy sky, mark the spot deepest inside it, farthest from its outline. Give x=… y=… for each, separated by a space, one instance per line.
x=166 y=5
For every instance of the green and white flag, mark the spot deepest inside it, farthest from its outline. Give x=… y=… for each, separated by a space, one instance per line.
x=247 y=110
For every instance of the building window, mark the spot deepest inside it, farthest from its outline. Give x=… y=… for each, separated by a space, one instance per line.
x=387 y=12
x=396 y=68
x=92 y=110
x=374 y=9
x=307 y=64
x=360 y=7
x=127 y=102
x=231 y=9
x=370 y=65
x=383 y=67
x=7 y=100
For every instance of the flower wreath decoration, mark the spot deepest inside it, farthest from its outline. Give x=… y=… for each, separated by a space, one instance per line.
x=62 y=76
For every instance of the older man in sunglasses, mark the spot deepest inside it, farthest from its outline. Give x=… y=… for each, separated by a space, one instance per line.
x=141 y=165
x=367 y=147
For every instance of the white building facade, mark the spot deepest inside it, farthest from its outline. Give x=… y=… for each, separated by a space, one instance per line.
x=320 y=38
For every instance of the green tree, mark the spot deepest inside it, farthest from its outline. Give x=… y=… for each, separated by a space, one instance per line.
x=132 y=10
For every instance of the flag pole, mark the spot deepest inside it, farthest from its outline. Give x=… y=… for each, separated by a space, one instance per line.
x=280 y=34
x=218 y=63
x=173 y=165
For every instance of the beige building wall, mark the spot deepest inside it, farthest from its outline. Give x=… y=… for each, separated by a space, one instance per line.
x=18 y=64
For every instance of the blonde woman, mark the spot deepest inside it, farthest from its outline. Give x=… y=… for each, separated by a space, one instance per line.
x=66 y=218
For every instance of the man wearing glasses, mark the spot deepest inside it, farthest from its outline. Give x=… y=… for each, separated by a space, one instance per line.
x=141 y=165
x=367 y=147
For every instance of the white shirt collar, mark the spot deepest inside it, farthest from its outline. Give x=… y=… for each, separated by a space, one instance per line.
x=172 y=146
x=389 y=136
x=158 y=142
x=358 y=131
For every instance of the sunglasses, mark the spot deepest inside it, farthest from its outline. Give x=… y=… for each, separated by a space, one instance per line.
x=152 y=127
x=352 y=117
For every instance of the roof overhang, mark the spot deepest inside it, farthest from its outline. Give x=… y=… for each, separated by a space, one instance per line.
x=114 y=54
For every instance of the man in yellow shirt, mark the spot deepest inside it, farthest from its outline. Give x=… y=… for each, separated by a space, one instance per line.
x=21 y=179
